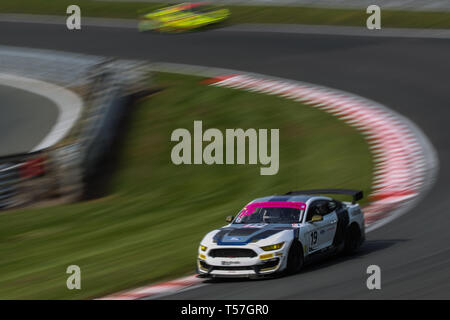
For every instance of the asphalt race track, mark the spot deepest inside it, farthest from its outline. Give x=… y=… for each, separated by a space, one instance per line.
x=410 y=76
x=18 y=118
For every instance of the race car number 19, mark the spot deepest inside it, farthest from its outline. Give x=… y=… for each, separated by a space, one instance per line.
x=313 y=238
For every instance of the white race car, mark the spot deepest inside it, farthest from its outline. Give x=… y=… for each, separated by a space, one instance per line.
x=279 y=234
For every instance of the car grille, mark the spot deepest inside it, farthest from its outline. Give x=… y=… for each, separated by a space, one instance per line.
x=207 y=267
x=234 y=268
x=232 y=253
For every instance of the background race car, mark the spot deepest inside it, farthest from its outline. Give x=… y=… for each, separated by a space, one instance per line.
x=183 y=17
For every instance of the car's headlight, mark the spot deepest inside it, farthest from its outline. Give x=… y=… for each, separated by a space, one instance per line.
x=203 y=248
x=273 y=247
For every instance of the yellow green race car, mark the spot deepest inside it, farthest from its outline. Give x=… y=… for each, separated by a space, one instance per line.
x=183 y=17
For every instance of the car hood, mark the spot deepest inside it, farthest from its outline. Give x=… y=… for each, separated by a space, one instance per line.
x=236 y=234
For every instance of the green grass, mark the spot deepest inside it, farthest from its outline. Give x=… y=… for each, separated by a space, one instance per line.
x=240 y=14
x=149 y=227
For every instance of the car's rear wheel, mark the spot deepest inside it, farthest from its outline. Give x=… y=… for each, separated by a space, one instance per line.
x=352 y=239
x=295 y=258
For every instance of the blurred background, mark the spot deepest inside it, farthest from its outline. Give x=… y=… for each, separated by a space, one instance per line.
x=86 y=176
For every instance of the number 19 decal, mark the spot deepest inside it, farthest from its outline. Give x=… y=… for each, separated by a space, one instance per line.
x=313 y=238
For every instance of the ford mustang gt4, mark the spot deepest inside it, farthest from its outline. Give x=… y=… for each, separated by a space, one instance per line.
x=278 y=234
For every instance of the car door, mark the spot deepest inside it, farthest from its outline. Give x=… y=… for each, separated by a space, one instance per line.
x=316 y=237
x=328 y=212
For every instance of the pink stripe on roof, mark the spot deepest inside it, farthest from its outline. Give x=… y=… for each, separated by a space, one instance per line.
x=248 y=210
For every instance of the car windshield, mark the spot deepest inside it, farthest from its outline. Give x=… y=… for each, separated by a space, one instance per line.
x=270 y=215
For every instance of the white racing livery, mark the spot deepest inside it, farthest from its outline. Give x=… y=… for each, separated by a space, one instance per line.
x=278 y=234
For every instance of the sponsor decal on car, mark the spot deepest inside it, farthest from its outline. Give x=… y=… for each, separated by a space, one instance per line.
x=229 y=263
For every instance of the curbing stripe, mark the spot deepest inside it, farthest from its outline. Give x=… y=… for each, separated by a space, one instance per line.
x=157 y=289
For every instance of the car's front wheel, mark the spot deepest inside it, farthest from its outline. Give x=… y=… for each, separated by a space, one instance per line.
x=295 y=258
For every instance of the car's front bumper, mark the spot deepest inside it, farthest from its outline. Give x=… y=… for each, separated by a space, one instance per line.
x=261 y=269
x=264 y=263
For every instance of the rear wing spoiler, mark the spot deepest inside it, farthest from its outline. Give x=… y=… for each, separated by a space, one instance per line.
x=356 y=194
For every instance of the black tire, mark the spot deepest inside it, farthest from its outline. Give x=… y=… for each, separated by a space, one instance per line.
x=352 y=239
x=295 y=258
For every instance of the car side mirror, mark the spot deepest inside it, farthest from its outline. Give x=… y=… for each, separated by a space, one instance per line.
x=229 y=219
x=316 y=218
